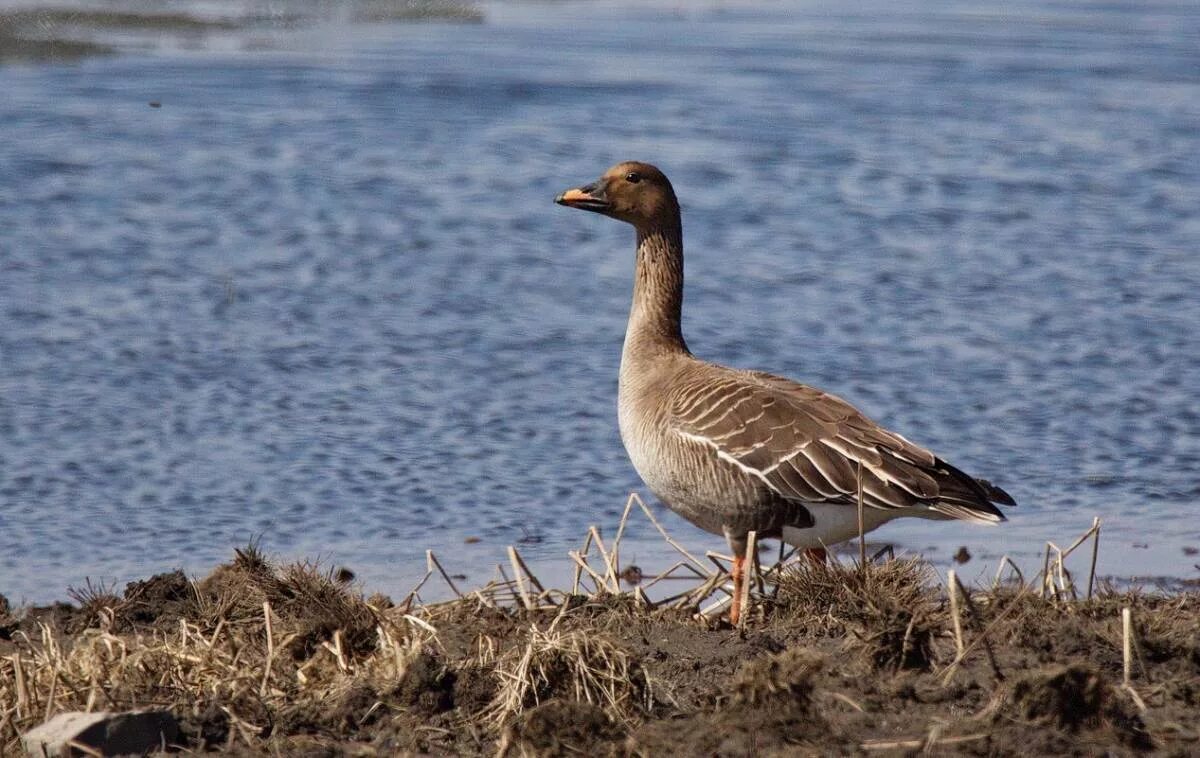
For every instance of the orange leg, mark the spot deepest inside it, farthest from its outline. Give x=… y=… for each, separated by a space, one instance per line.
x=817 y=555
x=735 y=610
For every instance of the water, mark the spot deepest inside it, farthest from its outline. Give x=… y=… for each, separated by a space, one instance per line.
x=322 y=294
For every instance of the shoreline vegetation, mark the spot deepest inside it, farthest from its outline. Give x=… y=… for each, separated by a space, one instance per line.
x=64 y=33
x=869 y=658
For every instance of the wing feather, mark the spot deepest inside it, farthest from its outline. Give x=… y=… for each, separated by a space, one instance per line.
x=808 y=446
x=814 y=478
x=791 y=480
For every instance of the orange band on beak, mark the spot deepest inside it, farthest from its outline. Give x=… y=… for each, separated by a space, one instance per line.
x=575 y=195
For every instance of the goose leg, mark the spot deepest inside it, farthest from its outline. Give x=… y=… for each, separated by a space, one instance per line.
x=817 y=555
x=737 y=546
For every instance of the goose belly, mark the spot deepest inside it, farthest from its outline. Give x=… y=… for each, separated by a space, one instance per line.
x=834 y=523
x=691 y=481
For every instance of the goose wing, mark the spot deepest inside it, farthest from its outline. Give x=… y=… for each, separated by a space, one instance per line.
x=808 y=445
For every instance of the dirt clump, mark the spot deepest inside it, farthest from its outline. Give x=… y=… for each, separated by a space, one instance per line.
x=785 y=677
x=898 y=638
x=885 y=611
x=767 y=708
x=206 y=729
x=359 y=705
x=1070 y=696
x=561 y=727
x=164 y=596
x=309 y=601
x=96 y=606
x=474 y=688
x=8 y=621
x=427 y=685
x=1076 y=697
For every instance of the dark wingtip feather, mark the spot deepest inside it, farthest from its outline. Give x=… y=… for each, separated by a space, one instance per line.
x=976 y=503
x=974 y=512
x=994 y=493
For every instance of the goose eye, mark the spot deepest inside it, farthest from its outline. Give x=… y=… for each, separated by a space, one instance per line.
x=633 y=177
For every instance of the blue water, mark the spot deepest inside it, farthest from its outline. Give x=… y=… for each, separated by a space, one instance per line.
x=322 y=294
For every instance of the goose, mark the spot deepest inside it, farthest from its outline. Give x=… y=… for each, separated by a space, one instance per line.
x=735 y=451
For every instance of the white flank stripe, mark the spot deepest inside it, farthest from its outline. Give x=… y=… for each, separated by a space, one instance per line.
x=771 y=469
x=730 y=459
x=823 y=492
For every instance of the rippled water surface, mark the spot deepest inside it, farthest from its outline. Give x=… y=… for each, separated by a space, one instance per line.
x=322 y=294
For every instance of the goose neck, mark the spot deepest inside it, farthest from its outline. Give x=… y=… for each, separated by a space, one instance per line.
x=655 y=318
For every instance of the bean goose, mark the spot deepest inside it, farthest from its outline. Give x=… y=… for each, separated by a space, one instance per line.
x=737 y=451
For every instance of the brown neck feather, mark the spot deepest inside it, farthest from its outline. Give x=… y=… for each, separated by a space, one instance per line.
x=654 y=320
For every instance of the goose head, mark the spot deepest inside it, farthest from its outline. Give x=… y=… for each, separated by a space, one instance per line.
x=633 y=192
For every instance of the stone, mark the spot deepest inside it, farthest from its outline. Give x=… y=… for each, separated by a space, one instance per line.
x=125 y=733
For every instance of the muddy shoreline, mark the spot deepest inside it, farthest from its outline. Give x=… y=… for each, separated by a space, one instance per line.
x=263 y=659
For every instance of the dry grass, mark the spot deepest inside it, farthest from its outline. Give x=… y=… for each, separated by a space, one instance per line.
x=255 y=642
x=574 y=665
x=886 y=610
x=279 y=659
x=834 y=589
x=255 y=652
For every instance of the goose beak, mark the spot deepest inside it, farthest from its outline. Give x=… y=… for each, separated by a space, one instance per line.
x=590 y=198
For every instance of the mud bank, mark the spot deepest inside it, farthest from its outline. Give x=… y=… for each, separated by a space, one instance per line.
x=262 y=659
